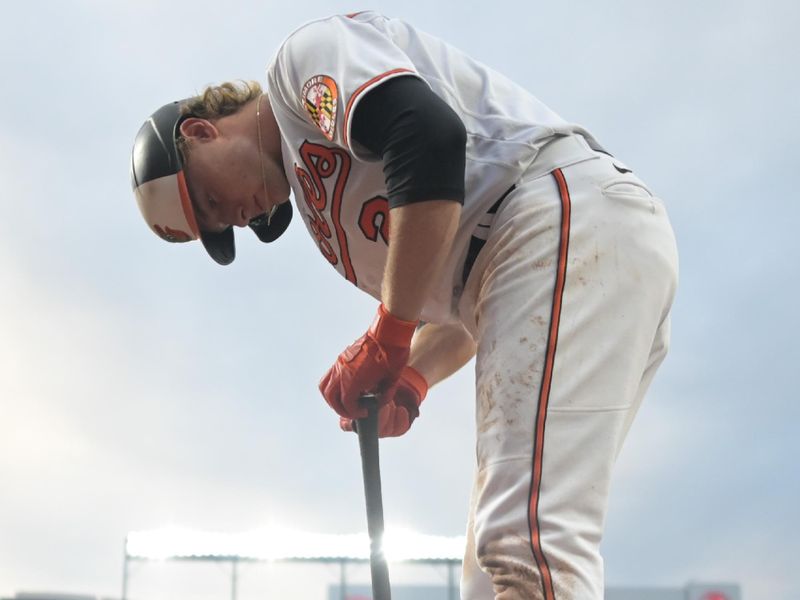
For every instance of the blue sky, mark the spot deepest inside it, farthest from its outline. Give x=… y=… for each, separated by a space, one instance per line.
x=143 y=385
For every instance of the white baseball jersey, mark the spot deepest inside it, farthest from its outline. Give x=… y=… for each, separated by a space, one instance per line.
x=315 y=82
x=568 y=300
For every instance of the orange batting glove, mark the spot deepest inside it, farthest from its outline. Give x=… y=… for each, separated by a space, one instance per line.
x=396 y=417
x=370 y=365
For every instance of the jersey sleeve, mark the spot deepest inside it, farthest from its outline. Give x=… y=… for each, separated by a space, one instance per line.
x=420 y=139
x=324 y=69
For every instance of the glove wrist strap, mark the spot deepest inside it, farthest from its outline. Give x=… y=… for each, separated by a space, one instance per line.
x=416 y=380
x=388 y=329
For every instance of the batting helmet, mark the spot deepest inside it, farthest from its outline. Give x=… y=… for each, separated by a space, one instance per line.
x=159 y=184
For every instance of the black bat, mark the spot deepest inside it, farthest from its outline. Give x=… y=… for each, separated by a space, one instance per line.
x=367 y=429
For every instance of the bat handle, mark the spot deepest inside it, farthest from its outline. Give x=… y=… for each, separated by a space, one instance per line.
x=367 y=429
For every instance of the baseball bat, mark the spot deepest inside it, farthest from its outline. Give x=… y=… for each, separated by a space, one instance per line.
x=367 y=429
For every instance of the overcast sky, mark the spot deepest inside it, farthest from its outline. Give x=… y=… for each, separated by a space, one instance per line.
x=143 y=385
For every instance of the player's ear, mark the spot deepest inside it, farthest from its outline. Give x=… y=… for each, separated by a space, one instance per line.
x=198 y=129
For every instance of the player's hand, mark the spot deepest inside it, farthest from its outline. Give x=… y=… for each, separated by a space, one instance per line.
x=396 y=416
x=370 y=365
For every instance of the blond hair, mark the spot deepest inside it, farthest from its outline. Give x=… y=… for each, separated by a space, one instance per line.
x=215 y=102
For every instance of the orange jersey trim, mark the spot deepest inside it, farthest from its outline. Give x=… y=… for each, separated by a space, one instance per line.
x=336 y=216
x=544 y=390
x=359 y=91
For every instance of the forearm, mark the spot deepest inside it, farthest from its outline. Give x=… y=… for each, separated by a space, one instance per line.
x=420 y=237
x=438 y=351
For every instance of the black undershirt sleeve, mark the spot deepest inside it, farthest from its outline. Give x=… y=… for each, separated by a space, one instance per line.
x=420 y=139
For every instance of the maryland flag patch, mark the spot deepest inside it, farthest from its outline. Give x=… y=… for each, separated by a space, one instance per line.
x=320 y=97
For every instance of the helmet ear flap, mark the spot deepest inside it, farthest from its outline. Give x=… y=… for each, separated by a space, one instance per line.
x=270 y=227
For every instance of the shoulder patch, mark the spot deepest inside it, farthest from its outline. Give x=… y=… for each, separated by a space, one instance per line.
x=320 y=97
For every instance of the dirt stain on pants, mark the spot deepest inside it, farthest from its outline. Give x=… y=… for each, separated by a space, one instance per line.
x=508 y=563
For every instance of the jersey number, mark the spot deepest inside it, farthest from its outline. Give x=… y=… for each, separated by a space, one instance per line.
x=322 y=163
x=374 y=219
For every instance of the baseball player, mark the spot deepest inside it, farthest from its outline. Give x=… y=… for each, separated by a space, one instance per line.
x=486 y=225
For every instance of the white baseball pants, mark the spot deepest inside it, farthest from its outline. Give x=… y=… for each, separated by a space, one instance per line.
x=569 y=301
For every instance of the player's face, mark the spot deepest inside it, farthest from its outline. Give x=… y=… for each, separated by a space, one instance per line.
x=224 y=176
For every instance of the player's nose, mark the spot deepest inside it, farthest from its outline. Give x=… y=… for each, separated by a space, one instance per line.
x=240 y=217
